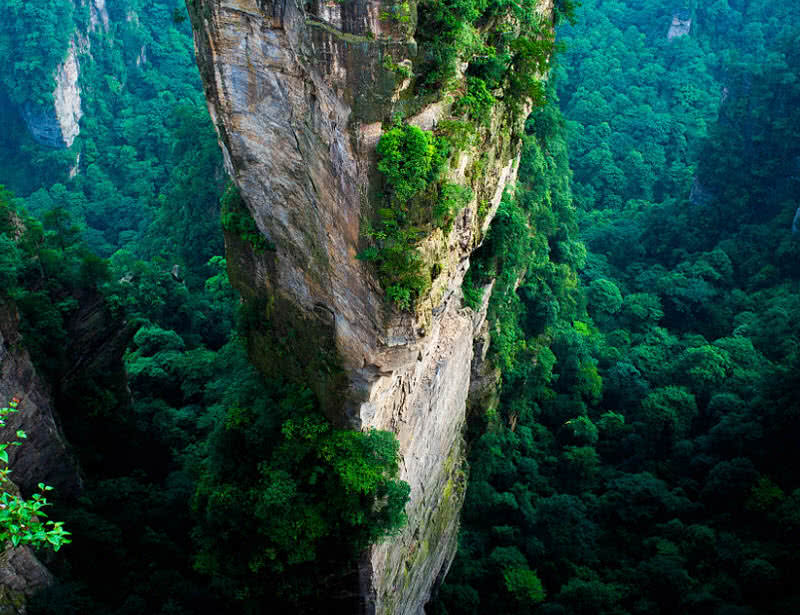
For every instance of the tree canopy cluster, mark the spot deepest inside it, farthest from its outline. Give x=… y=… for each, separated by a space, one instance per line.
x=642 y=458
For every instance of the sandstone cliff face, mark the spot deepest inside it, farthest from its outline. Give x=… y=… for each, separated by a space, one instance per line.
x=298 y=95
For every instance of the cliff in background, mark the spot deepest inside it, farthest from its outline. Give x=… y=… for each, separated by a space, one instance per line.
x=299 y=96
x=57 y=124
x=53 y=120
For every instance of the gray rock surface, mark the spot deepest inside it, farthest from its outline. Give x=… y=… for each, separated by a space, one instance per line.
x=21 y=576
x=56 y=125
x=45 y=455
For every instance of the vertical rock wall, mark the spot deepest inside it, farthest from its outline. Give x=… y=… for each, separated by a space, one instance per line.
x=58 y=124
x=298 y=93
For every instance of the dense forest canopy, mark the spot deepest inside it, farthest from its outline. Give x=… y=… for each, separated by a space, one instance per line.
x=645 y=463
x=641 y=457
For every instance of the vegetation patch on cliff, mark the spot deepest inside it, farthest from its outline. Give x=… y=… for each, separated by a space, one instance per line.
x=286 y=502
x=411 y=161
x=236 y=219
x=506 y=45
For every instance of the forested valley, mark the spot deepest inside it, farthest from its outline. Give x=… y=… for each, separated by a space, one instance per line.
x=642 y=458
x=640 y=453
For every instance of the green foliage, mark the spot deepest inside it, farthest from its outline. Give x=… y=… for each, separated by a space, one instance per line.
x=33 y=40
x=524 y=585
x=565 y=10
x=402 y=71
x=460 y=135
x=477 y=103
x=529 y=62
x=411 y=161
x=452 y=199
x=604 y=296
x=144 y=191
x=640 y=462
x=236 y=219
x=303 y=497
x=635 y=456
x=149 y=162
x=47 y=269
x=473 y=296
x=399 y=264
x=22 y=520
x=512 y=55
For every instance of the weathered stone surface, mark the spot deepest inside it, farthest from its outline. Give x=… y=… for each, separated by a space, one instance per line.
x=21 y=576
x=67 y=96
x=298 y=94
x=98 y=14
x=98 y=340
x=43 y=125
x=45 y=455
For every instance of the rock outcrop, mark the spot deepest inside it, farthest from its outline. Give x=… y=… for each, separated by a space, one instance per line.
x=58 y=124
x=46 y=456
x=67 y=96
x=299 y=94
x=680 y=25
x=21 y=576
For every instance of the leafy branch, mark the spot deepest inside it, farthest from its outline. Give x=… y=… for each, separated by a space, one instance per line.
x=21 y=520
